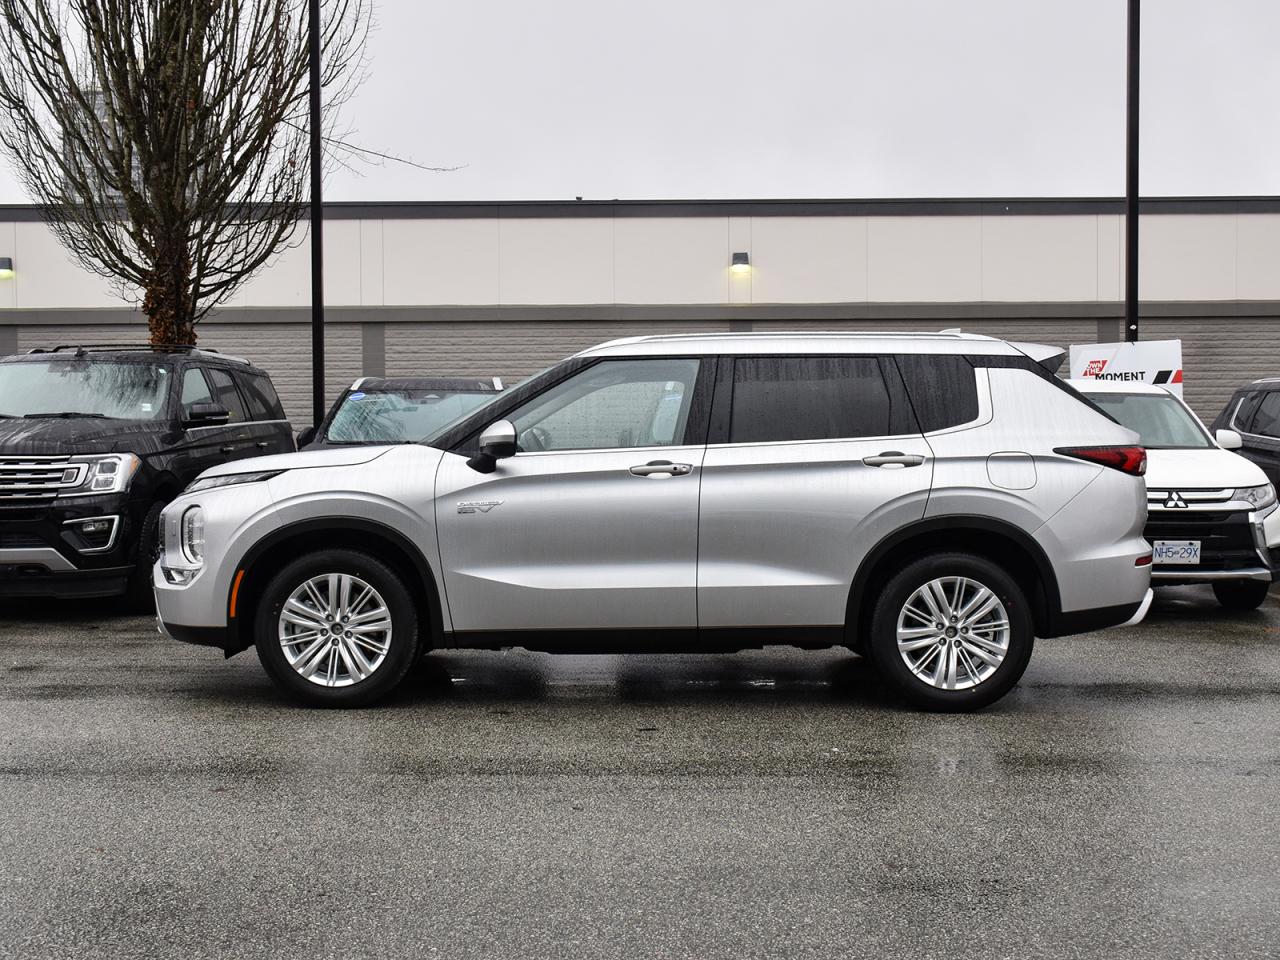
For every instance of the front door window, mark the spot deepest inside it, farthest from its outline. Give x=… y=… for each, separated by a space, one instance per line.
x=615 y=404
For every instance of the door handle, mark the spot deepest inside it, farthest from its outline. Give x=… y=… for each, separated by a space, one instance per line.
x=894 y=458
x=660 y=467
x=261 y=444
x=229 y=448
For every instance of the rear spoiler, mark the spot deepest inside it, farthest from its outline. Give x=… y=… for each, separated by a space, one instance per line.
x=1046 y=356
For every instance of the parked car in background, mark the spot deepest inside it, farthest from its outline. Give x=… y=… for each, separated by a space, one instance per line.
x=1254 y=413
x=936 y=501
x=1212 y=515
x=94 y=441
x=377 y=410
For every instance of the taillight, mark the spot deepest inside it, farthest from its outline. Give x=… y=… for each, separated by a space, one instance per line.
x=1130 y=460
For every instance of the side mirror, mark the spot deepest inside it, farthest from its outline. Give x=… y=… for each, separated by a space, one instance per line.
x=306 y=436
x=206 y=415
x=1228 y=439
x=497 y=442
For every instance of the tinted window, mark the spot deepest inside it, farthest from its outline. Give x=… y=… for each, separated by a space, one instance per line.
x=260 y=396
x=809 y=398
x=1267 y=419
x=942 y=389
x=615 y=403
x=1241 y=416
x=195 y=389
x=225 y=393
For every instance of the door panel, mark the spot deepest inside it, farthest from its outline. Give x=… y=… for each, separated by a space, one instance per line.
x=203 y=447
x=570 y=540
x=593 y=524
x=784 y=526
x=823 y=458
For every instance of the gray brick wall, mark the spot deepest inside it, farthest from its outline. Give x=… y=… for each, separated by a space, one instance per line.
x=284 y=351
x=1219 y=354
x=509 y=350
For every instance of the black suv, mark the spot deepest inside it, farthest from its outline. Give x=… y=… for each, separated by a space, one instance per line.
x=1254 y=412
x=94 y=441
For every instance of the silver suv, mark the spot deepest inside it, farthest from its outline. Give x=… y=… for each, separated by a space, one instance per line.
x=932 y=501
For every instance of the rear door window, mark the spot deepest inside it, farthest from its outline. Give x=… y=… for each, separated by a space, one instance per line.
x=1266 y=422
x=942 y=389
x=225 y=393
x=1243 y=413
x=260 y=397
x=777 y=399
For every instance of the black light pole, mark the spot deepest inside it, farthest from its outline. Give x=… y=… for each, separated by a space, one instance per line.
x=1131 y=184
x=317 y=223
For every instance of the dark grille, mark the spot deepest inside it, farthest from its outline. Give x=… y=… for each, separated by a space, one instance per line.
x=19 y=540
x=1226 y=538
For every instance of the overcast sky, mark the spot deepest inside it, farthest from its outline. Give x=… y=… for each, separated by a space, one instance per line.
x=810 y=98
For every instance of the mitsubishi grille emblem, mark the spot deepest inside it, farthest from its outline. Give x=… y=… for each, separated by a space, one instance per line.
x=1175 y=501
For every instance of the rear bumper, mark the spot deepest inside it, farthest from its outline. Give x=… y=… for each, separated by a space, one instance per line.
x=1066 y=623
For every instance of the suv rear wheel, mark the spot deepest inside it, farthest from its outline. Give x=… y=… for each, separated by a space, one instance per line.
x=1241 y=594
x=336 y=628
x=951 y=632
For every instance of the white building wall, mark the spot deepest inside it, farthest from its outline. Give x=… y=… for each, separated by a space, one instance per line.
x=684 y=260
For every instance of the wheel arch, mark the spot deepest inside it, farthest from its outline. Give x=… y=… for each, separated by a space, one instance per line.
x=999 y=541
x=369 y=536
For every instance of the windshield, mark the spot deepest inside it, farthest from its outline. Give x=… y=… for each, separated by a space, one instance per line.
x=76 y=386
x=1162 y=422
x=395 y=416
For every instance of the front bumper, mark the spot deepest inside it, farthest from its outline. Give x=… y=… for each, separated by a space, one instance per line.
x=43 y=552
x=1234 y=544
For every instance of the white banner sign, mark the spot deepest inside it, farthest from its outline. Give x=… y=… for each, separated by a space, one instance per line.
x=1147 y=361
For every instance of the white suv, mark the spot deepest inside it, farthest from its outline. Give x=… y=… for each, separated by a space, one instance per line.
x=1213 y=516
x=933 y=501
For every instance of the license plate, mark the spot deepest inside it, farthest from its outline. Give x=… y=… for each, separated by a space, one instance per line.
x=1175 y=551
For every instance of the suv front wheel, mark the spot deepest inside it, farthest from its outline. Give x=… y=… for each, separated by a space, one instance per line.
x=336 y=628
x=951 y=632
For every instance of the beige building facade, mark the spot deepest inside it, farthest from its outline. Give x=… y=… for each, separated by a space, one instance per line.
x=508 y=288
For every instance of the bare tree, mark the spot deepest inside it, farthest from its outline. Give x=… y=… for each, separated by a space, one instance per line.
x=166 y=140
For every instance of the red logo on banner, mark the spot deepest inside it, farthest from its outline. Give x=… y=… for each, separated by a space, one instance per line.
x=1094 y=367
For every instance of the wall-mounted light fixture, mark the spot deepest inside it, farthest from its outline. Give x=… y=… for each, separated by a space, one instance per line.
x=6 y=268
x=741 y=263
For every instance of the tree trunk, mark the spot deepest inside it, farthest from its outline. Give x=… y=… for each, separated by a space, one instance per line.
x=168 y=306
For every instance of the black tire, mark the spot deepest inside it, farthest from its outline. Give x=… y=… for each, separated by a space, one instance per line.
x=882 y=644
x=402 y=647
x=139 y=595
x=1241 y=594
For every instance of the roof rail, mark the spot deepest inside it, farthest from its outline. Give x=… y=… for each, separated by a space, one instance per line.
x=80 y=349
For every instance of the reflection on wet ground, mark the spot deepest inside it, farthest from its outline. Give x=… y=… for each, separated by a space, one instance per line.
x=158 y=800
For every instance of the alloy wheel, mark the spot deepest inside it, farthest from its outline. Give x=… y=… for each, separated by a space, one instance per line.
x=335 y=630
x=953 y=633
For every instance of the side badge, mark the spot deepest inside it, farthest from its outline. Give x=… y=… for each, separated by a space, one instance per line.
x=478 y=506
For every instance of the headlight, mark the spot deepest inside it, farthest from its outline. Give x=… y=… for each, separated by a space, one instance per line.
x=191 y=535
x=109 y=473
x=1261 y=496
x=227 y=480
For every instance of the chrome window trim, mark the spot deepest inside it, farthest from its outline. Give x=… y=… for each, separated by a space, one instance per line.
x=230 y=425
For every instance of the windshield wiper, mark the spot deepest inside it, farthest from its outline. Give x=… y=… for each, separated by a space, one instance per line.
x=66 y=415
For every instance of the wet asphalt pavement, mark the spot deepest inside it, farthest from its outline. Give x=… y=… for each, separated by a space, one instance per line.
x=1124 y=801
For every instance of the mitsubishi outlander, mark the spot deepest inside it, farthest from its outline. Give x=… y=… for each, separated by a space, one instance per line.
x=933 y=501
